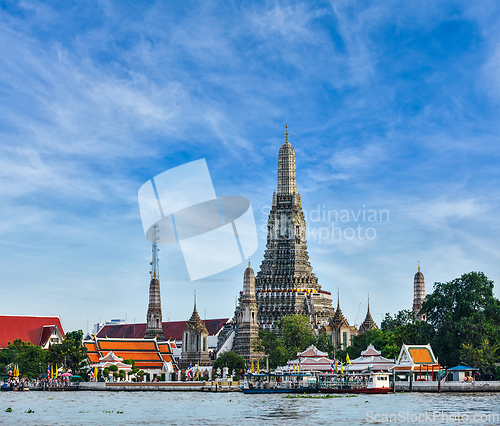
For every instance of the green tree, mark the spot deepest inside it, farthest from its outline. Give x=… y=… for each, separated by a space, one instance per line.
x=71 y=352
x=483 y=356
x=231 y=360
x=294 y=335
x=297 y=333
x=401 y=319
x=462 y=312
x=31 y=359
x=324 y=343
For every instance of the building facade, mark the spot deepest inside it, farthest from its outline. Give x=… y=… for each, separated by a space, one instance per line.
x=195 y=343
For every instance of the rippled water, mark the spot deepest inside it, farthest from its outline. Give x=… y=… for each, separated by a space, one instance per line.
x=187 y=408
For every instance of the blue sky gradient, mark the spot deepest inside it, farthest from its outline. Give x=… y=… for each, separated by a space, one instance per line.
x=390 y=106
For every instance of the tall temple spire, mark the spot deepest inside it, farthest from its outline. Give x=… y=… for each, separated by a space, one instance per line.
x=247 y=327
x=286 y=278
x=154 y=328
x=418 y=294
x=287 y=177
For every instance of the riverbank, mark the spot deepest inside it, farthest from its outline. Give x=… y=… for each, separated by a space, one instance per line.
x=493 y=386
x=162 y=386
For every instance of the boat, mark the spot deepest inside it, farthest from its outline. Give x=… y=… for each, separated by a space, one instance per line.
x=279 y=382
x=367 y=382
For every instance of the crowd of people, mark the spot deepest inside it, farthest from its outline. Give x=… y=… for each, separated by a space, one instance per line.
x=15 y=383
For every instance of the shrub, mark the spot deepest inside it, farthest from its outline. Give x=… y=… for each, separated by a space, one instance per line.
x=113 y=368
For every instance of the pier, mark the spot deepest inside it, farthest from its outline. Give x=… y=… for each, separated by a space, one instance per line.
x=215 y=386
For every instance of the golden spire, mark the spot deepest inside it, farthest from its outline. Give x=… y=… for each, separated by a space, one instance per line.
x=286 y=134
x=419 y=266
x=249 y=262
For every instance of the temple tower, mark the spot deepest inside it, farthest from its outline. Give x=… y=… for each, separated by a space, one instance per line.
x=153 y=318
x=368 y=323
x=285 y=283
x=418 y=294
x=341 y=331
x=195 y=342
x=247 y=327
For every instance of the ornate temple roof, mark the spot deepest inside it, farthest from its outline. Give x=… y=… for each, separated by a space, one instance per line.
x=146 y=353
x=171 y=329
x=372 y=360
x=195 y=323
x=338 y=319
x=368 y=323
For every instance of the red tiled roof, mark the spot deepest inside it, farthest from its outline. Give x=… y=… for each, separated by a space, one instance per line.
x=26 y=328
x=171 y=329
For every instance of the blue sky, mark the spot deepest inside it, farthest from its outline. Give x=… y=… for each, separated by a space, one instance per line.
x=390 y=106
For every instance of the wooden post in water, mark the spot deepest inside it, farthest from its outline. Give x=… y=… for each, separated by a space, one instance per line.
x=393 y=381
x=411 y=380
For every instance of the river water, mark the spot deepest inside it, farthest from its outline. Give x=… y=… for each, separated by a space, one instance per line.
x=195 y=408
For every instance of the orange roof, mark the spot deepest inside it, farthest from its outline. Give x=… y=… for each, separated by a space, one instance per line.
x=145 y=353
x=167 y=358
x=421 y=355
x=126 y=345
x=143 y=356
x=92 y=352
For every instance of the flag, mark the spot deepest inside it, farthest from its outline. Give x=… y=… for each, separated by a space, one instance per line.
x=57 y=371
x=48 y=372
x=332 y=368
x=341 y=368
x=245 y=368
x=197 y=372
x=253 y=369
x=51 y=372
x=95 y=371
x=16 y=370
x=190 y=372
x=347 y=359
x=336 y=366
x=258 y=367
x=298 y=365
x=10 y=370
x=92 y=373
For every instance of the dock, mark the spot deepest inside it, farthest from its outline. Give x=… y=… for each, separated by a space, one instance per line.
x=209 y=386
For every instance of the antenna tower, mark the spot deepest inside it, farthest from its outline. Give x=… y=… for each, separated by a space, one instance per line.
x=155 y=271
